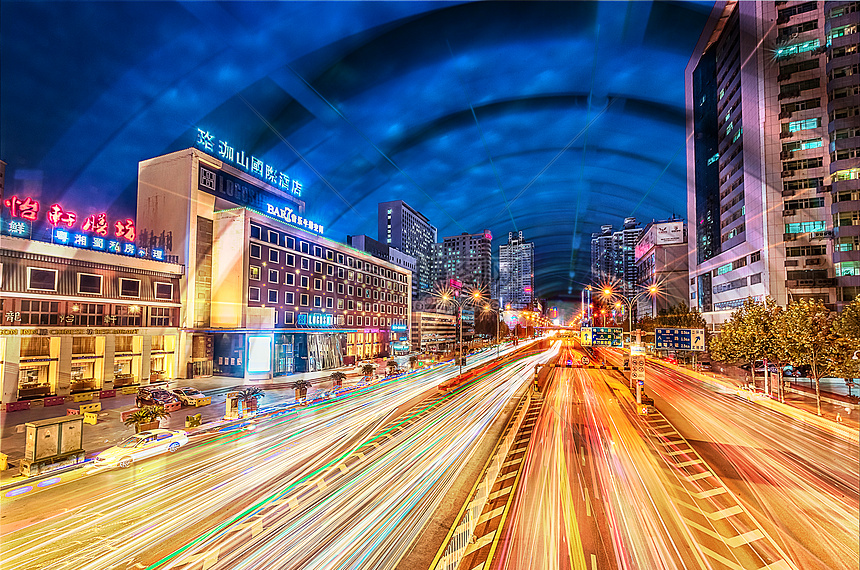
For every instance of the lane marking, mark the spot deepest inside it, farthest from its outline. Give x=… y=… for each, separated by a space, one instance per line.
x=480 y=543
x=587 y=502
x=513 y=462
x=710 y=493
x=490 y=515
x=506 y=476
x=593 y=562
x=688 y=463
x=582 y=454
x=745 y=538
x=679 y=452
x=698 y=476
x=499 y=493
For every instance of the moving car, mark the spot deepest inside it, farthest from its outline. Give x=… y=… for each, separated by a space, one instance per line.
x=140 y=446
x=189 y=396
x=154 y=397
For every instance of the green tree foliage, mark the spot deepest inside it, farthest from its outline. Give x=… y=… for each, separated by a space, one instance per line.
x=847 y=328
x=807 y=337
x=252 y=392
x=368 y=370
x=146 y=414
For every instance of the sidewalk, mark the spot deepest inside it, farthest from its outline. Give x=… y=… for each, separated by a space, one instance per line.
x=109 y=430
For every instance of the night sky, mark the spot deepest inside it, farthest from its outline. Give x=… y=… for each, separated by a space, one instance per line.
x=547 y=118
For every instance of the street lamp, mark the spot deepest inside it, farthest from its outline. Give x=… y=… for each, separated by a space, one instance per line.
x=452 y=297
x=608 y=293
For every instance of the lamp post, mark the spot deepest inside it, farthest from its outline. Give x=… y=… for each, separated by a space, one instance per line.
x=459 y=301
x=608 y=293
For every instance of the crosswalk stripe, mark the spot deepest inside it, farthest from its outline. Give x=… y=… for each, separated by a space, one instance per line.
x=690 y=462
x=698 y=476
x=710 y=493
x=512 y=462
x=480 y=543
x=744 y=538
x=499 y=493
x=490 y=515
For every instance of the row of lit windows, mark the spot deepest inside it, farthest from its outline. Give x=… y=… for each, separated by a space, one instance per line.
x=43 y=279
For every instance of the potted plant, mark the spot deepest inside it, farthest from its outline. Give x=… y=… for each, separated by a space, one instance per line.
x=301 y=388
x=146 y=418
x=251 y=396
x=413 y=360
x=367 y=370
x=337 y=379
x=392 y=367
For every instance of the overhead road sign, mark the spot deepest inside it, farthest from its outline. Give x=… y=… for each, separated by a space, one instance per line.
x=679 y=339
x=601 y=336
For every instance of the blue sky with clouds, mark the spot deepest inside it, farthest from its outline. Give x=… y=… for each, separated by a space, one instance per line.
x=547 y=117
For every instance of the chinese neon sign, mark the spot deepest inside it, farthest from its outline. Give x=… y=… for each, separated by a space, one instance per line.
x=93 y=233
x=250 y=164
x=288 y=215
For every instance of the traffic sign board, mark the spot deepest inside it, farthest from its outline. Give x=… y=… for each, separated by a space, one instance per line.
x=601 y=336
x=679 y=339
x=585 y=360
x=637 y=368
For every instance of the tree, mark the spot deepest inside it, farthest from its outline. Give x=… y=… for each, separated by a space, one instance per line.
x=367 y=370
x=251 y=395
x=805 y=332
x=847 y=328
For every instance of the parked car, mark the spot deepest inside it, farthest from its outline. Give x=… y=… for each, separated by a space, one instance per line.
x=140 y=446
x=704 y=366
x=759 y=367
x=154 y=397
x=671 y=360
x=188 y=395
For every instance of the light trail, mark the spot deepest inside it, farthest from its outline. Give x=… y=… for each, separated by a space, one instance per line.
x=318 y=488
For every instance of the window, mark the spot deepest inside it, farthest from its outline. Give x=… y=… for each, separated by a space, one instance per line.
x=803 y=125
x=88 y=283
x=303 y=281
x=41 y=279
x=329 y=286
x=254 y=273
x=306 y=264
x=359 y=306
x=349 y=320
x=803 y=163
x=129 y=287
x=329 y=255
x=317 y=251
x=848 y=243
x=846 y=219
x=329 y=270
x=804 y=204
x=274 y=276
x=274 y=256
x=359 y=320
x=160 y=317
x=350 y=304
x=289 y=317
x=125 y=315
x=317 y=301
x=290 y=242
x=291 y=260
x=256 y=251
x=256 y=231
x=847 y=268
x=253 y=293
x=805 y=250
x=340 y=304
x=847 y=174
x=802 y=184
x=329 y=303
x=303 y=299
x=317 y=267
x=350 y=290
x=39 y=313
x=289 y=298
x=318 y=284
x=304 y=247
x=273 y=296
x=755 y=256
x=164 y=291
x=803 y=227
x=289 y=279
x=340 y=288
x=276 y=318
x=273 y=237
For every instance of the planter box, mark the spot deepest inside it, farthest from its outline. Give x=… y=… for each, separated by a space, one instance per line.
x=147 y=426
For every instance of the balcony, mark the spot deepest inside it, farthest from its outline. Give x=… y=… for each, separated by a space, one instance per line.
x=791 y=93
x=785 y=155
x=785 y=114
x=826 y=188
x=826 y=234
x=789 y=237
x=787 y=193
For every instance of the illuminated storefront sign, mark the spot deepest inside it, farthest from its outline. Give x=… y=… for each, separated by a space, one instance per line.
x=291 y=217
x=399 y=328
x=315 y=319
x=242 y=193
x=250 y=164
x=21 y=219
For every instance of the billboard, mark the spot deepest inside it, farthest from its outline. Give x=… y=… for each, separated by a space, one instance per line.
x=669 y=233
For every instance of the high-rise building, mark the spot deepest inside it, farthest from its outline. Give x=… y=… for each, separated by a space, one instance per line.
x=764 y=200
x=613 y=256
x=516 y=272
x=466 y=258
x=661 y=259
x=407 y=230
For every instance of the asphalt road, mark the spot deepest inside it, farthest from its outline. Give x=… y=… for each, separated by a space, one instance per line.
x=341 y=484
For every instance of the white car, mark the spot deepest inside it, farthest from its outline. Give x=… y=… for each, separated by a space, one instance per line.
x=140 y=446
x=189 y=396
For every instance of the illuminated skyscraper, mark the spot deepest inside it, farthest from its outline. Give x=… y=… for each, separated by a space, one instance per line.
x=516 y=272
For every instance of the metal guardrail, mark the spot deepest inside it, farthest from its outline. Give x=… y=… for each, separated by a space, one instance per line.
x=464 y=531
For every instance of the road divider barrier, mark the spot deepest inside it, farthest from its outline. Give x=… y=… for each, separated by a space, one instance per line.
x=193 y=421
x=15 y=406
x=461 y=536
x=84 y=397
x=94 y=407
x=54 y=401
x=91 y=418
x=172 y=406
x=198 y=402
x=128 y=390
x=107 y=394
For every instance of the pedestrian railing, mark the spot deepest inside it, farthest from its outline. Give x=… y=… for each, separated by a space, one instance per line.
x=464 y=531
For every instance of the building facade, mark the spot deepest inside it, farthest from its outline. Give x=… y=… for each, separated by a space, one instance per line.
x=76 y=320
x=763 y=198
x=613 y=256
x=266 y=295
x=661 y=259
x=433 y=332
x=467 y=259
x=407 y=230
x=516 y=272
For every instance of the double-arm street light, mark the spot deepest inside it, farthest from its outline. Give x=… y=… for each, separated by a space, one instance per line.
x=459 y=300
x=486 y=308
x=648 y=290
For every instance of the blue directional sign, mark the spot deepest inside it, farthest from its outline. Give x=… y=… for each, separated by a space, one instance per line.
x=606 y=336
x=679 y=339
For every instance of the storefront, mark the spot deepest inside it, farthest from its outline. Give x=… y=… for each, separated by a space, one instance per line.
x=37 y=368
x=87 y=369
x=127 y=360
